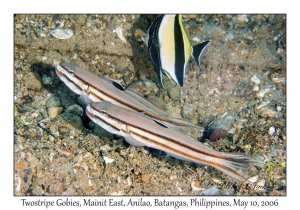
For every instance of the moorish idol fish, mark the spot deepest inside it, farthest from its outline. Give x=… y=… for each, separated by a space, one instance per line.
x=169 y=48
x=140 y=130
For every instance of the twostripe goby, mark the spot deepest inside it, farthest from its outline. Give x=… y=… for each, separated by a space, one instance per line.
x=139 y=130
x=97 y=89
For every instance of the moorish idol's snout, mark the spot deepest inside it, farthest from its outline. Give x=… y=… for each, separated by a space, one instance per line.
x=170 y=49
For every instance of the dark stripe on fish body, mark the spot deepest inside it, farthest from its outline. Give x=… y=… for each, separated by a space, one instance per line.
x=73 y=82
x=166 y=147
x=179 y=51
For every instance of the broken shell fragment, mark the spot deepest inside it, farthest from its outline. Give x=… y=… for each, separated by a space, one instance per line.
x=119 y=32
x=108 y=160
x=62 y=33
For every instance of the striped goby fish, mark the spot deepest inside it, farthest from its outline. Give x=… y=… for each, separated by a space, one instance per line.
x=97 y=89
x=139 y=130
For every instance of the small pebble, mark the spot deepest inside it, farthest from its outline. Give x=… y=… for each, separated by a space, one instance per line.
x=46 y=80
x=242 y=18
x=174 y=93
x=53 y=112
x=54 y=101
x=196 y=186
x=75 y=109
x=87 y=156
x=80 y=20
x=145 y=177
x=32 y=81
x=266 y=112
x=62 y=33
x=105 y=148
x=188 y=111
x=19 y=26
x=278 y=108
x=272 y=131
x=255 y=79
x=217 y=134
x=196 y=39
x=255 y=88
x=279 y=80
x=191 y=16
x=73 y=119
x=166 y=98
x=20 y=166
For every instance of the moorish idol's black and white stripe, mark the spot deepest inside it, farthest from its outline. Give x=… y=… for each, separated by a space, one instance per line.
x=170 y=49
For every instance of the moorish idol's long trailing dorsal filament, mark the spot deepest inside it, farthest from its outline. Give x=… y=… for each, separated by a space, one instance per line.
x=169 y=48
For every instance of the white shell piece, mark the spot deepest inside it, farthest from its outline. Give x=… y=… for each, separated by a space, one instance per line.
x=272 y=131
x=119 y=32
x=62 y=33
x=108 y=160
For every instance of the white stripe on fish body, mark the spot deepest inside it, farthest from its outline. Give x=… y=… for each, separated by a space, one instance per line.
x=141 y=130
x=76 y=85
